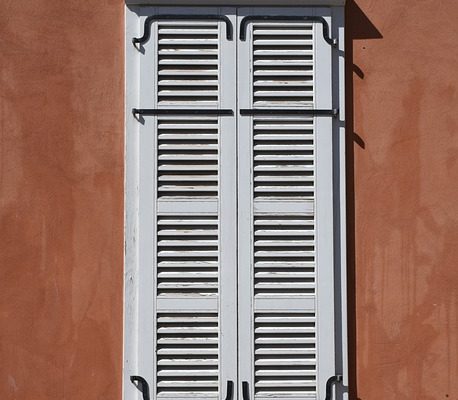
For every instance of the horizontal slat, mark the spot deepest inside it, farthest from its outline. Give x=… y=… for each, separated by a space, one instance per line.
x=187 y=351
x=281 y=275
x=171 y=71
x=283 y=31
x=187 y=372
x=187 y=383
x=284 y=73
x=281 y=372
x=285 y=383
x=190 y=362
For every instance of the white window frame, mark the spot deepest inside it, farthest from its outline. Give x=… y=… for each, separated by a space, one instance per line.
x=132 y=183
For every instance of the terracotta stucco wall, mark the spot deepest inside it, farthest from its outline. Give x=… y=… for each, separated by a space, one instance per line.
x=61 y=118
x=403 y=252
x=61 y=144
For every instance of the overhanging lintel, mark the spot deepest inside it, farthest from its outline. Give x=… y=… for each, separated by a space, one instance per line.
x=241 y=3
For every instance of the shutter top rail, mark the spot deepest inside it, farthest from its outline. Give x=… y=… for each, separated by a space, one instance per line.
x=181 y=17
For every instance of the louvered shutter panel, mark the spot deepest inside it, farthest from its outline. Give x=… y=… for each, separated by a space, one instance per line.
x=187 y=203
x=232 y=235
x=285 y=210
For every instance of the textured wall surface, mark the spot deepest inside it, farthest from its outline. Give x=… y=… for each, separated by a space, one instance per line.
x=403 y=181
x=61 y=171
x=61 y=194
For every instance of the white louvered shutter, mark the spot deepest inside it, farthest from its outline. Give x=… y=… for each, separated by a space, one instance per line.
x=236 y=213
x=285 y=210
x=187 y=205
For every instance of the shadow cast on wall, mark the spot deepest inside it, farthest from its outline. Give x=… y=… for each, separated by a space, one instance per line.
x=357 y=27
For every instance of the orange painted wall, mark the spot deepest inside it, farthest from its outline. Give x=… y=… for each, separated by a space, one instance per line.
x=61 y=213
x=61 y=194
x=402 y=81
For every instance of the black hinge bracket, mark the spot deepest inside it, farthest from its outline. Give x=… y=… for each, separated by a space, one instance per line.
x=306 y=18
x=180 y=17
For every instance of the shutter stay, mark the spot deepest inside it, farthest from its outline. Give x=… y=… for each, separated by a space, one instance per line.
x=181 y=111
x=279 y=111
x=261 y=18
x=169 y=17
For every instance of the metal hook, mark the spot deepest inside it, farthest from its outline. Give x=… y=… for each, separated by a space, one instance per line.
x=332 y=381
x=141 y=385
x=180 y=17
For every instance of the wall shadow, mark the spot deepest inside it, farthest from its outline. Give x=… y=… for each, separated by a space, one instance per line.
x=357 y=27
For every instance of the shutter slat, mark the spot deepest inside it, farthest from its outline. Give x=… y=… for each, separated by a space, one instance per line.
x=284 y=72
x=186 y=372
x=288 y=372
x=281 y=147
x=185 y=72
x=284 y=31
x=187 y=384
x=281 y=275
x=284 y=243
x=187 y=275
